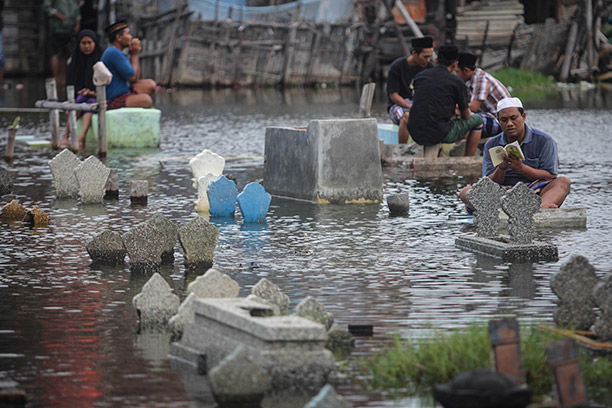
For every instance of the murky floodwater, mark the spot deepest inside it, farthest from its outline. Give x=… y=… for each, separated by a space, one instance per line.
x=68 y=331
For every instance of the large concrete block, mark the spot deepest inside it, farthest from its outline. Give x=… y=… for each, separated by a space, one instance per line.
x=335 y=161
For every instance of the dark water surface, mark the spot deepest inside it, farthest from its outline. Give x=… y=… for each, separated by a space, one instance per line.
x=68 y=331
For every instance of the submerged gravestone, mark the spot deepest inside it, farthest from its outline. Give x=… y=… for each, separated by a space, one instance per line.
x=202 y=204
x=574 y=285
x=206 y=162
x=92 y=176
x=238 y=381
x=328 y=398
x=310 y=309
x=269 y=292
x=521 y=203
x=602 y=295
x=485 y=197
x=168 y=235
x=183 y=316
x=222 y=194
x=6 y=185
x=106 y=248
x=214 y=284
x=156 y=303
x=399 y=204
x=13 y=211
x=198 y=239
x=143 y=247
x=62 y=167
x=254 y=202
x=37 y=217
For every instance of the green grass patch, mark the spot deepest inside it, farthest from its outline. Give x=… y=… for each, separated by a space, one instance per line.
x=526 y=85
x=413 y=366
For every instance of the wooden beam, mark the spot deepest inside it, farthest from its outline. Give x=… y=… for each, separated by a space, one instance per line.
x=72 y=121
x=569 y=50
x=365 y=103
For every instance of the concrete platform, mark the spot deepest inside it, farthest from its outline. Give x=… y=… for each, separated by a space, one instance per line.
x=503 y=249
x=32 y=141
x=423 y=167
x=555 y=218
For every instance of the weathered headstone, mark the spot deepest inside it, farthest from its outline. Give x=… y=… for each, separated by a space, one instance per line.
x=36 y=217
x=13 y=211
x=198 y=239
x=92 y=175
x=339 y=340
x=156 y=303
x=254 y=203
x=328 y=398
x=602 y=294
x=112 y=185
x=139 y=192
x=310 y=309
x=202 y=204
x=6 y=185
x=62 y=167
x=521 y=203
x=238 y=381
x=144 y=247
x=214 y=284
x=168 y=235
x=562 y=356
x=274 y=309
x=222 y=194
x=485 y=196
x=271 y=293
x=399 y=204
x=106 y=248
x=574 y=285
x=506 y=342
x=206 y=162
x=183 y=316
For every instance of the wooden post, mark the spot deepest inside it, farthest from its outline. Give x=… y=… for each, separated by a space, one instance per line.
x=365 y=104
x=484 y=43
x=51 y=90
x=569 y=50
x=216 y=10
x=505 y=340
x=101 y=97
x=10 y=145
x=588 y=15
x=72 y=121
x=510 y=44
x=562 y=356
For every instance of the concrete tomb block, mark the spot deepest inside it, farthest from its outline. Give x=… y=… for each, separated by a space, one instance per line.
x=37 y=217
x=112 y=185
x=106 y=248
x=334 y=161
x=238 y=381
x=156 y=303
x=575 y=281
x=183 y=316
x=206 y=162
x=168 y=235
x=6 y=185
x=289 y=348
x=92 y=175
x=203 y=204
x=143 y=246
x=254 y=203
x=310 y=309
x=328 y=398
x=139 y=192
x=222 y=194
x=521 y=203
x=62 y=167
x=214 y=284
x=13 y=211
x=268 y=291
x=602 y=294
x=198 y=239
x=399 y=204
x=485 y=196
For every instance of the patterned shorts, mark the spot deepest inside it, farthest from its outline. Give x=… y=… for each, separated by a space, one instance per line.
x=119 y=102
x=396 y=112
x=490 y=125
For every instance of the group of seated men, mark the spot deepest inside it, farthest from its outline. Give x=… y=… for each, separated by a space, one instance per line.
x=456 y=100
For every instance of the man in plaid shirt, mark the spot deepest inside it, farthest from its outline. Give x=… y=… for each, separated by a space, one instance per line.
x=485 y=91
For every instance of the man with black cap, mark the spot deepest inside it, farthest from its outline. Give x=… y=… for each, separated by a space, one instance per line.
x=399 y=82
x=437 y=94
x=126 y=89
x=484 y=92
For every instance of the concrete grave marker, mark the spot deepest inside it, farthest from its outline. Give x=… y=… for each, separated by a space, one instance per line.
x=206 y=162
x=521 y=203
x=139 y=192
x=270 y=292
x=106 y=248
x=112 y=185
x=143 y=246
x=92 y=175
x=310 y=309
x=222 y=194
x=198 y=239
x=214 y=284
x=254 y=203
x=183 y=316
x=602 y=293
x=6 y=185
x=202 y=203
x=485 y=196
x=168 y=235
x=62 y=167
x=156 y=303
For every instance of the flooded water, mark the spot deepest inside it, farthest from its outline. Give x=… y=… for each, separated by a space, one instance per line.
x=68 y=332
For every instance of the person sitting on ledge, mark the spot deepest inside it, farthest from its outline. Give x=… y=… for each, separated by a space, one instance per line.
x=539 y=169
x=437 y=94
x=126 y=89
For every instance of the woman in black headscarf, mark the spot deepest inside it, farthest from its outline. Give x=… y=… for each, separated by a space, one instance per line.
x=80 y=74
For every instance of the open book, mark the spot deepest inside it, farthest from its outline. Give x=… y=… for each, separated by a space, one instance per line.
x=498 y=153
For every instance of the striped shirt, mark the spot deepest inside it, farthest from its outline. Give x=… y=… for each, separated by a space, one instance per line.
x=484 y=87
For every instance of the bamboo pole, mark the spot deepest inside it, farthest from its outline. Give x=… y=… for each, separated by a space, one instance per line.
x=101 y=97
x=569 y=50
x=55 y=105
x=484 y=43
x=415 y=29
x=365 y=103
x=72 y=121
x=10 y=144
x=51 y=90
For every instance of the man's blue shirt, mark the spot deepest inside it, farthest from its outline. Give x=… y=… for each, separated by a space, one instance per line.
x=540 y=151
x=119 y=65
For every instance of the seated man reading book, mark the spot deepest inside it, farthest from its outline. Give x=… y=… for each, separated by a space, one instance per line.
x=527 y=155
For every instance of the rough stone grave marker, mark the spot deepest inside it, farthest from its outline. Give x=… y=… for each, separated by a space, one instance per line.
x=214 y=284
x=310 y=309
x=505 y=339
x=602 y=294
x=106 y=248
x=399 y=204
x=139 y=192
x=269 y=292
x=254 y=203
x=222 y=194
x=521 y=203
x=562 y=356
x=168 y=235
x=198 y=239
x=62 y=167
x=92 y=175
x=183 y=316
x=206 y=162
x=6 y=185
x=144 y=247
x=156 y=303
x=485 y=196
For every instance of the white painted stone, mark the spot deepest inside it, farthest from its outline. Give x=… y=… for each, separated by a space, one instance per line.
x=156 y=303
x=206 y=162
x=62 y=168
x=202 y=204
x=92 y=175
x=214 y=284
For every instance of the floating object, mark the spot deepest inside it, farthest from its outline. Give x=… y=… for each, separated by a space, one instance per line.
x=127 y=127
x=112 y=185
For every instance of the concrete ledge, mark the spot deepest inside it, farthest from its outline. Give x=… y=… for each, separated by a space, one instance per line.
x=423 y=167
x=551 y=218
x=501 y=248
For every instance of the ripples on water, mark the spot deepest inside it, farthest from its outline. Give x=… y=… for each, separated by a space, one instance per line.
x=68 y=330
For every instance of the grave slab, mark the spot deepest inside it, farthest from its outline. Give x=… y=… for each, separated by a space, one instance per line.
x=254 y=203
x=156 y=303
x=106 y=248
x=501 y=247
x=198 y=239
x=92 y=175
x=62 y=167
x=206 y=162
x=222 y=194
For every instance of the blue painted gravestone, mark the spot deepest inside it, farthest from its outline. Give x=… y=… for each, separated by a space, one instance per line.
x=254 y=203
x=222 y=194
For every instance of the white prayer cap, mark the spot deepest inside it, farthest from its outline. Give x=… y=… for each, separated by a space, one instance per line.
x=509 y=103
